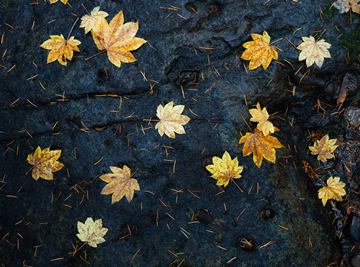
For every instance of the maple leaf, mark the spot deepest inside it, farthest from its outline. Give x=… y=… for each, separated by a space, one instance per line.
x=334 y=189
x=119 y=184
x=261 y=116
x=62 y=1
x=92 y=21
x=324 y=148
x=61 y=49
x=117 y=39
x=259 y=51
x=314 y=51
x=260 y=146
x=345 y=6
x=45 y=163
x=224 y=169
x=171 y=120
x=91 y=232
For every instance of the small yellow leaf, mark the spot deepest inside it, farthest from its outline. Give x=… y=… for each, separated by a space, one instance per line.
x=224 y=169
x=62 y=1
x=119 y=184
x=260 y=146
x=92 y=22
x=259 y=51
x=60 y=49
x=261 y=116
x=171 y=120
x=118 y=39
x=324 y=148
x=45 y=163
x=334 y=189
x=314 y=51
x=91 y=232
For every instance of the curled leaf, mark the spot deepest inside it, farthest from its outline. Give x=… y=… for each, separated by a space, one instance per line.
x=324 y=148
x=45 y=163
x=91 y=232
x=345 y=6
x=92 y=22
x=224 y=169
x=259 y=51
x=261 y=116
x=60 y=49
x=334 y=189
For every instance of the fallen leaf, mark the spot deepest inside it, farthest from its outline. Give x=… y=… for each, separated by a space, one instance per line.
x=92 y=22
x=171 y=120
x=117 y=39
x=314 y=51
x=91 y=232
x=60 y=49
x=119 y=184
x=260 y=146
x=224 y=169
x=62 y=1
x=334 y=189
x=45 y=163
x=261 y=116
x=259 y=51
x=345 y=6
x=324 y=148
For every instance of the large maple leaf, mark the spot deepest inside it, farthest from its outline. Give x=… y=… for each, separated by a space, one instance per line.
x=314 y=51
x=324 y=148
x=91 y=232
x=259 y=51
x=117 y=39
x=260 y=146
x=334 y=189
x=119 y=184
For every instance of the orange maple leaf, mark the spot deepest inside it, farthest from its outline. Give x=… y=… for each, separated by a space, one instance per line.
x=260 y=146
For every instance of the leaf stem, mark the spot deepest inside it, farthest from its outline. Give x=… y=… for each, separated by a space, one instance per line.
x=72 y=27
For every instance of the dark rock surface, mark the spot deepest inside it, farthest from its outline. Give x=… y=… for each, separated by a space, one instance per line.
x=99 y=116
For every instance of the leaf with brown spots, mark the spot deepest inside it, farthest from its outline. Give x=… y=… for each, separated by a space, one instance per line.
x=119 y=184
x=260 y=146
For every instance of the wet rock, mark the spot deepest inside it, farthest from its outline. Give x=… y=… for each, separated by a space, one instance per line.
x=355 y=261
x=204 y=216
x=355 y=228
x=352 y=115
x=245 y=243
x=267 y=213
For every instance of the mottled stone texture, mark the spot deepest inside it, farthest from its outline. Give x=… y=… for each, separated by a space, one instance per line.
x=99 y=116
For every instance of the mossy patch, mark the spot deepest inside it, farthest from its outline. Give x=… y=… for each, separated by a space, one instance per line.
x=351 y=41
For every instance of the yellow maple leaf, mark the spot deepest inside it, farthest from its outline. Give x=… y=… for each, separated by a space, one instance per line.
x=334 y=189
x=224 y=169
x=117 y=39
x=62 y=1
x=91 y=232
x=45 y=163
x=60 y=49
x=324 y=148
x=260 y=146
x=119 y=184
x=259 y=51
x=314 y=51
x=261 y=116
x=92 y=21
x=171 y=120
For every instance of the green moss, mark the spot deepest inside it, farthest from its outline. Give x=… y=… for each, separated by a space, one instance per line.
x=351 y=41
x=329 y=13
